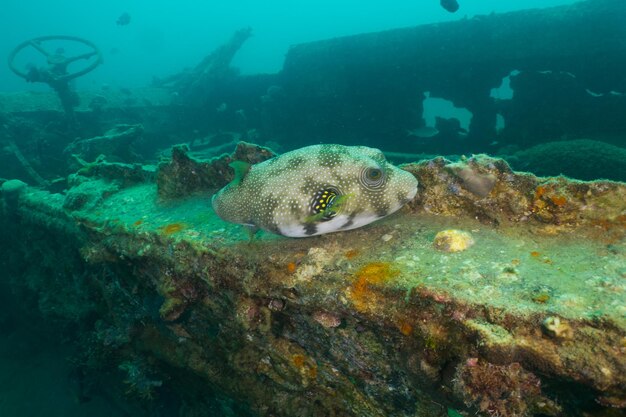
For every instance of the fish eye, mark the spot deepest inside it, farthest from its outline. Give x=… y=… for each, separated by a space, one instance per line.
x=374 y=174
x=372 y=177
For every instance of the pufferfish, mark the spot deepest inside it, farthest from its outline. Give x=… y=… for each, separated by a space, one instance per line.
x=315 y=190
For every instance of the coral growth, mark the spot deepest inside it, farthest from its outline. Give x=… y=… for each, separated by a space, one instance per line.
x=363 y=290
x=184 y=175
x=177 y=294
x=583 y=159
x=499 y=390
x=329 y=326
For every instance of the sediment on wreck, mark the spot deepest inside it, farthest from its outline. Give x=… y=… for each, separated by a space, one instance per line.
x=379 y=321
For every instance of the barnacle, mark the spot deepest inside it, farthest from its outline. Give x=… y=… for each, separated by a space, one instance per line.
x=453 y=241
x=557 y=328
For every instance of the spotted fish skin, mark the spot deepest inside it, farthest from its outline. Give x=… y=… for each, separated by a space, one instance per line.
x=317 y=189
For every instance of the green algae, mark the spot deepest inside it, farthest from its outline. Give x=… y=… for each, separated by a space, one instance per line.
x=524 y=291
x=508 y=267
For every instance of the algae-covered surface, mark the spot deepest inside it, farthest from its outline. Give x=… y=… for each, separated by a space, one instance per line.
x=505 y=302
x=508 y=267
x=492 y=292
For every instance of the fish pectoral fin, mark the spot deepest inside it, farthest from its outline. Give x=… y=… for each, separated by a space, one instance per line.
x=331 y=211
x=340 y=202
x=252 y=230
x=314 y=218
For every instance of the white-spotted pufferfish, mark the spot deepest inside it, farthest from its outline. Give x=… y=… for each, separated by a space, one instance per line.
x=314 y=190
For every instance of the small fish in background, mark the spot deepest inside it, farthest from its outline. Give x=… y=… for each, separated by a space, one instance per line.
x=123 y=19
x=450 y=5
x=423 y=132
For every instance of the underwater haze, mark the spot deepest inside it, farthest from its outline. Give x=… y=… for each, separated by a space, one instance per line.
x=294 y=208
x=164 y=37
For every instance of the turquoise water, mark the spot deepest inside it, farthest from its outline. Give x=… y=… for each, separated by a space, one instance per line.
x=538 y=83
x=164 y=37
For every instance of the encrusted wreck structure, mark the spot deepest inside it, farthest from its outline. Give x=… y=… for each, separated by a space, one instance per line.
x=493 y=291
